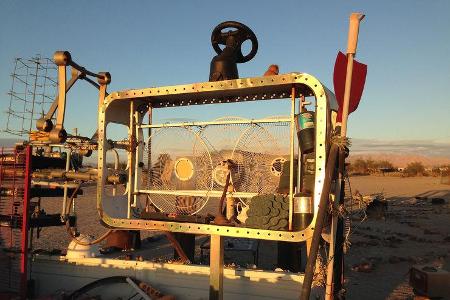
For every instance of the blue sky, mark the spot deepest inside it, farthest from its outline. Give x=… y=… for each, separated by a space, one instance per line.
x=406 y=45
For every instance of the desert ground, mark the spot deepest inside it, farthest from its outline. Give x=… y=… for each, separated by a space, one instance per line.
x=413 y=231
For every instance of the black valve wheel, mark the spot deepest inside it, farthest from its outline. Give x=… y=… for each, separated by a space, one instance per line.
x=234 y=39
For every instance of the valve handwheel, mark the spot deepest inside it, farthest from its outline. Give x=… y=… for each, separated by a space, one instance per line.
x=234 y=39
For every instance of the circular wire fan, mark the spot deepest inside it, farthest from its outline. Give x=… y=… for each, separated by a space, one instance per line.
x=262 y=158
x=180 y=161
x=221 y=140
x=255 y=150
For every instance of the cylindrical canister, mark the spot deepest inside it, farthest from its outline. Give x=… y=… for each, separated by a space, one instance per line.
x=303 y=211
x=305 y=131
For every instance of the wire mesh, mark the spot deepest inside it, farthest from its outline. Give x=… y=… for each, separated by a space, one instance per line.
x=33 y=89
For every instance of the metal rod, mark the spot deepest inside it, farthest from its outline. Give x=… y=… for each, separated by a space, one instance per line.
x=197 y=193
x=131 y=159
x=64 y=207
x=138 y=157
x=116 y=168
x=149 y=147
x=299 y=149
x=92 y=175
x=54 y=106
x=61 y=97
x=216 y=252
x=291 y=160
x=322 y=211
x=183 y=124
x=52 y=184
x=84 y=70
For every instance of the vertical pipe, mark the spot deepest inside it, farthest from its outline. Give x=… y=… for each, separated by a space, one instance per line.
x=116 y=168
x=149 y=156
x=61 y=97
x=131 y=159
x=216 y=252
x=64 y=208
x=25 y=219
x=137 y=157
x=299 y=149
x=149 y=148
x=291 y=160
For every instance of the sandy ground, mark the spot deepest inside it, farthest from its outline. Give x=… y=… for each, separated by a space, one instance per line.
x=414 y=231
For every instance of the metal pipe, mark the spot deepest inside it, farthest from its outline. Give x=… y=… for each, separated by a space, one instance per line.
x=291 y=160
x=131 y=159
x=116 y=168
x=185 y=124
x=84 y=70
x=74 y=175
x=197 y=193
x=52 y=184
x=64 y=208
x=320 y=217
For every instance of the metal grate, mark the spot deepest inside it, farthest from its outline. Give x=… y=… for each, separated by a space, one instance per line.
x=14 y=200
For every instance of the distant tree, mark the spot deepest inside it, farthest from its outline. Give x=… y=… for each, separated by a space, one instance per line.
x=414 y=169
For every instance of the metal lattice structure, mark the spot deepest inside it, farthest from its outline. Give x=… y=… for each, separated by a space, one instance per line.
x=33 y=89
x=14 y=202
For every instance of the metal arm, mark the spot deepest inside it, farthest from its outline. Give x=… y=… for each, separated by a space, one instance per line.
x=62 y=59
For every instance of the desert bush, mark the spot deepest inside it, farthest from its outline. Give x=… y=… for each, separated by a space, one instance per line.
x=369 y=166
x=414 y=169
x=359 y=167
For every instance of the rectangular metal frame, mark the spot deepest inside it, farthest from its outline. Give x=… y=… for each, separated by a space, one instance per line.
x=129 y=108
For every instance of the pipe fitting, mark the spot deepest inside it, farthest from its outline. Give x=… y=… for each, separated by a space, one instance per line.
x=43 y=124
x=58 y=135
x=62 y=58
x=105 y=78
